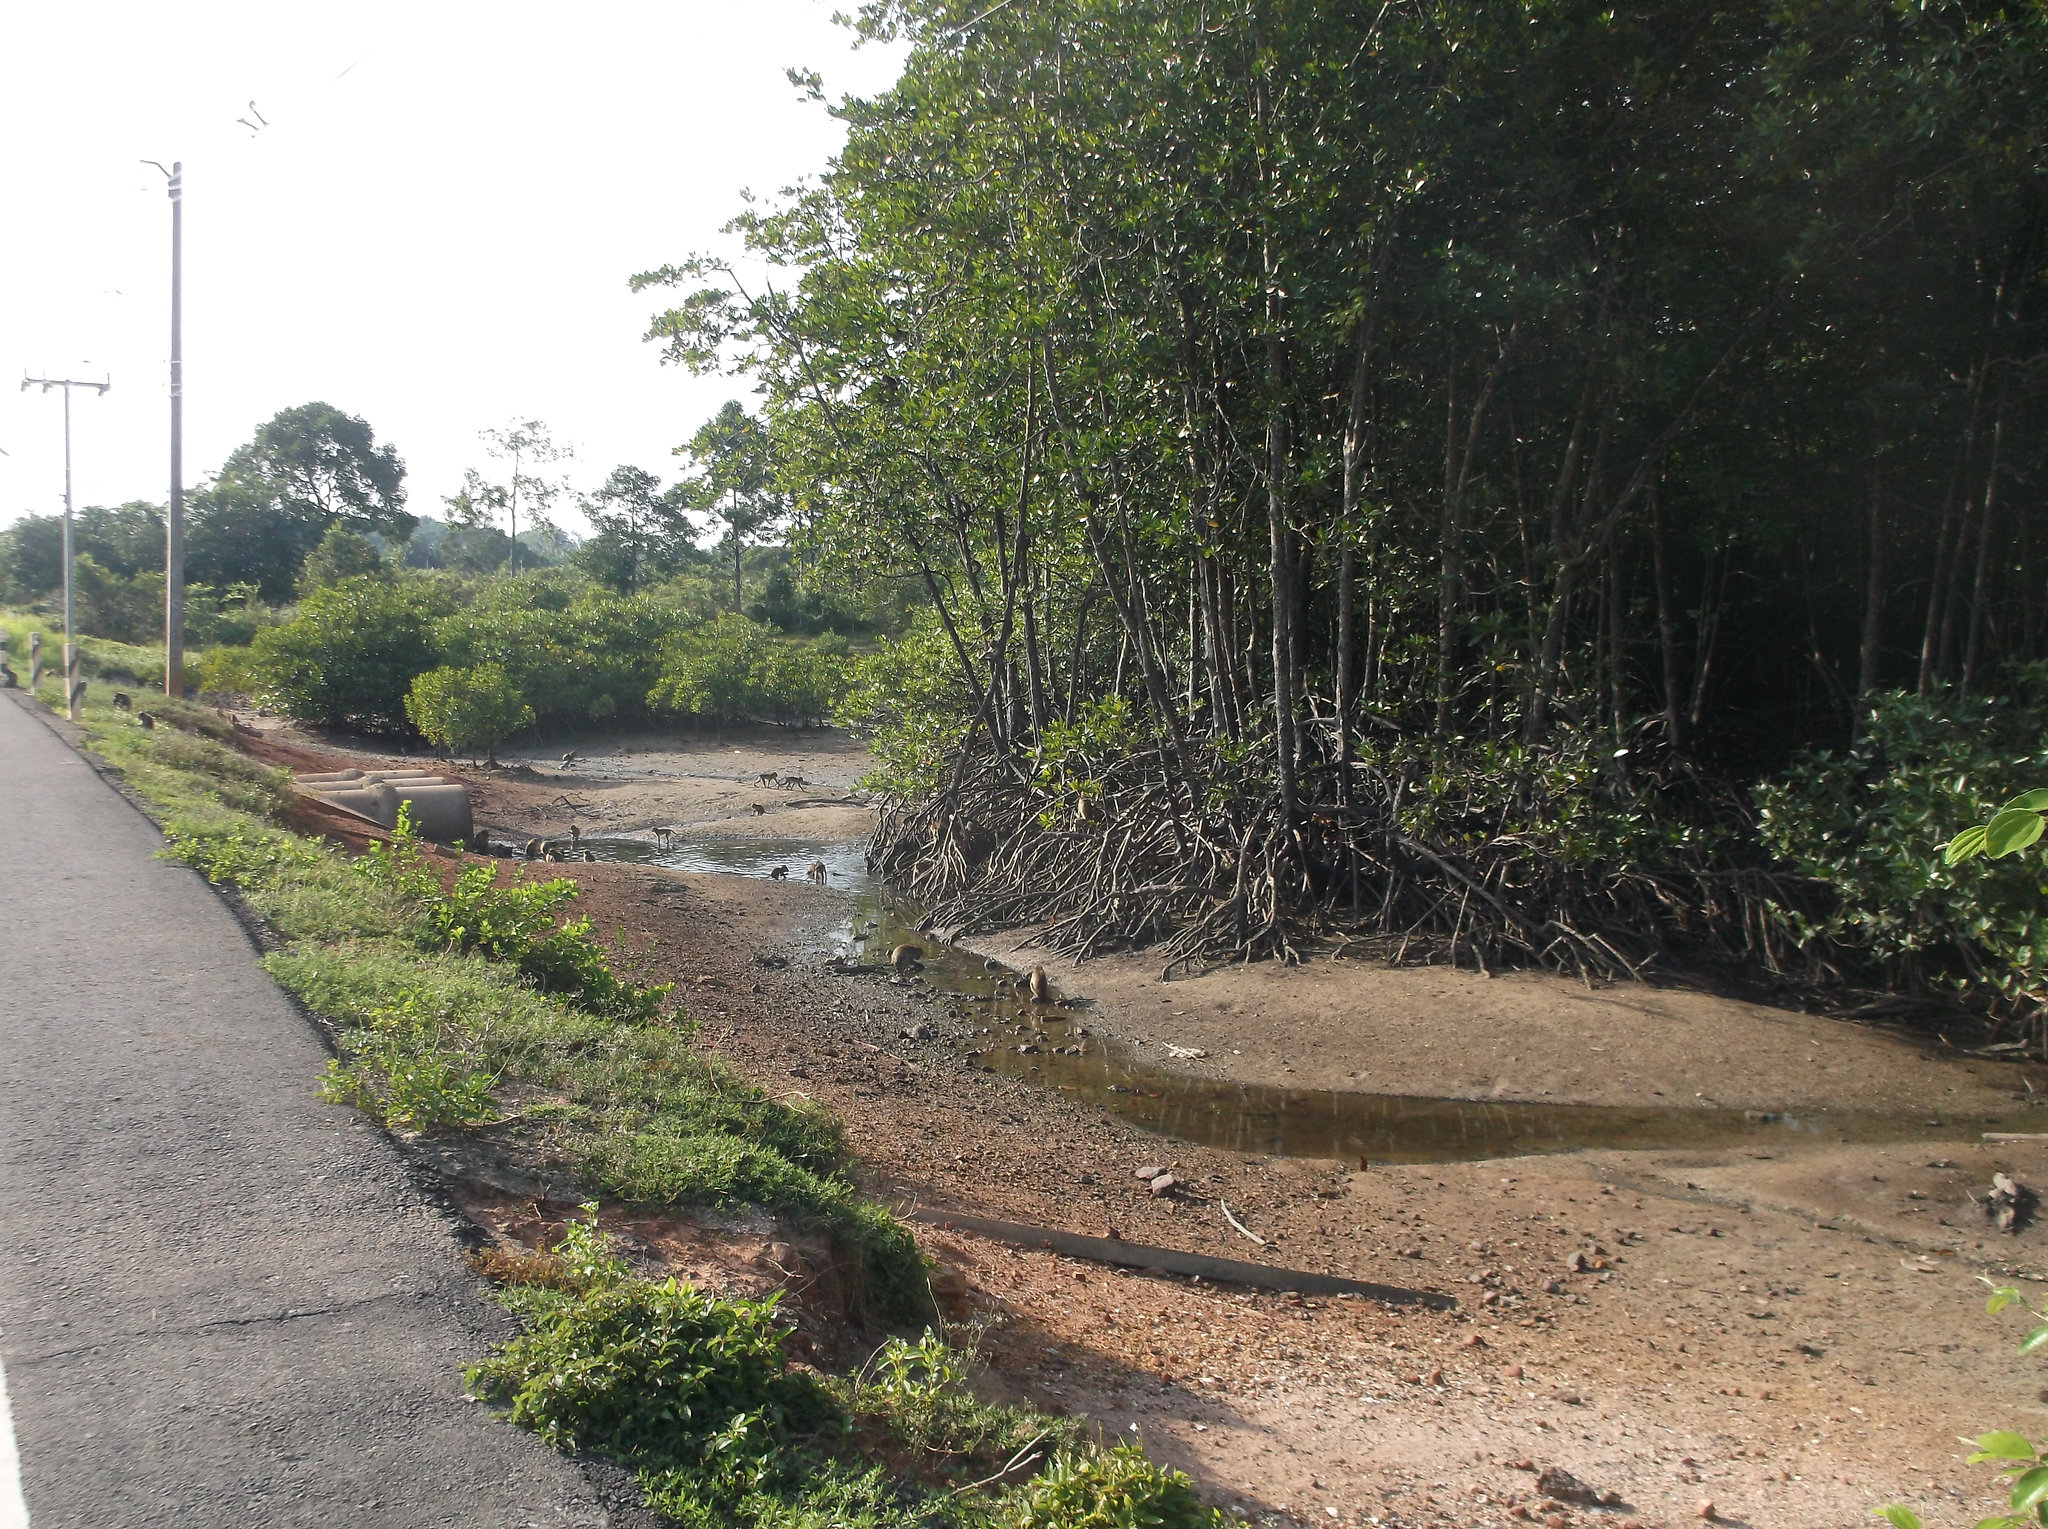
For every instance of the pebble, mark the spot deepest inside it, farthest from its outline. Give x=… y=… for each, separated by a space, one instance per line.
x=1165 y=1184
x=1148 y=1174
x=1706 y=1510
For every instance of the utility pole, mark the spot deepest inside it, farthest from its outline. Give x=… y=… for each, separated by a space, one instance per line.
x=174 y=518
x=70 y=631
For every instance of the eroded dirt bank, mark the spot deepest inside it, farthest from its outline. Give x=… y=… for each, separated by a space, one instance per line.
x=1792 y=1331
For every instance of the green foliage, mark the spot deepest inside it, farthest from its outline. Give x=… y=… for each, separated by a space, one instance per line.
x=341 y=554
x=1870 y=823
x=1112 y=1489
x=666 y=1380
x=511 y=922
x=306 y=470
x=695 y=1396
x=399 y=1069
x=467 y=708
x=349 y=656
x=575 y=654
x=908 y=698
x=732 y=669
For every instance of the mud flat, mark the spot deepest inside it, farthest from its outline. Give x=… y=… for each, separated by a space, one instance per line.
x=1755 y=1284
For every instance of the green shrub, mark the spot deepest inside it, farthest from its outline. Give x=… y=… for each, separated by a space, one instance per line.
x=349 y=656
x=731 y=669
x=467 y=708
x=512 y=922
x=342 y=554
x=908 y=699
x=1869 y=823
x=1112 y=1489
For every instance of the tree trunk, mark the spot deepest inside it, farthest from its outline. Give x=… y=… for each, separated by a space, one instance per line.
x=1980 y=587
x=1873 y=593
x=1667 y=627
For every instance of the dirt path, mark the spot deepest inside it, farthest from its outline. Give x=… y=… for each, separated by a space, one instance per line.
x=1792 y=1331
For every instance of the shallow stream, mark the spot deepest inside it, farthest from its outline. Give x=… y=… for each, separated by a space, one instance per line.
x=978 y=1009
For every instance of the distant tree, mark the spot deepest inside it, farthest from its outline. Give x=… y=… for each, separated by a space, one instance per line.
x=643 y=534
x=483 y=498
x=734 y=481
x=306 y=469
x=467 y=708
x=342 y=554
x=474 y=549
x=124 y=540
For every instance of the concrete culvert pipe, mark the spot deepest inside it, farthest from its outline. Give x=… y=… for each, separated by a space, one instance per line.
x=440 y=808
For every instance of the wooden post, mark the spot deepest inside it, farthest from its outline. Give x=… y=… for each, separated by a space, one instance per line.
x=35 y=660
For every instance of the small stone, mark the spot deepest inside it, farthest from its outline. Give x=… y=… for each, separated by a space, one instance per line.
x=1514 y=1372
x=1473 y=1340
x=1578 y=1263
x=1147 y=1174
x=1552 y=1287
x=1165 y=1184
x=917 y=1032
x=1706 y=1510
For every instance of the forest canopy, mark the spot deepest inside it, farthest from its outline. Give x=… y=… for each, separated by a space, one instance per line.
x=1512 y=422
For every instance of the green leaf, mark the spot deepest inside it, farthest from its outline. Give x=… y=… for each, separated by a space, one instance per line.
x=1898 y=1517
x=2029 y=801
x=2030 y=1490
x=2011 y=830
x=2002 y=1445
x=1964 y=846
x=2001 y=1298
x=2034 y=1339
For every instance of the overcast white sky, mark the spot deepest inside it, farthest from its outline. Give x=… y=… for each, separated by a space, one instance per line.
x=434 y=231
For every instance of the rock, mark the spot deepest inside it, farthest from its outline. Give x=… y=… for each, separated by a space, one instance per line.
x=949 y=1287
x=917 y=1032
x=1515 y=1372
x=1560 y=1484
x=1148 y=1174
x=1706 y=1511
x=1578 y=1263
x=1552 y=1287
x=1165 y=1184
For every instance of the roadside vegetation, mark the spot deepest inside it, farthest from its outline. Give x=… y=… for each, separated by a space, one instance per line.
x=467 y=1000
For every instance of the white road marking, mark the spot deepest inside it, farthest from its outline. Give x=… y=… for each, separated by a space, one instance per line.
x=13 y=1507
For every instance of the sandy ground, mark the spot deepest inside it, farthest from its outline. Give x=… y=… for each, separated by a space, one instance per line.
x=1791 y=1332
x=1358 y=1024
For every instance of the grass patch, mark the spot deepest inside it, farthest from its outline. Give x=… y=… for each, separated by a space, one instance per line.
x=463 y=1002
x=697 y=1398
x=101 y=660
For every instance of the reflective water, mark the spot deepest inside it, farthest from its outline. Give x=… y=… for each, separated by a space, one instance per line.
x=979 y=1009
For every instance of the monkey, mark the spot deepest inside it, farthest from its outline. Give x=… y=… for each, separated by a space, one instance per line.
x=78 y=695
x=791 y=782
x=532 y=849
x=817 y=872
x=590 y=855
x=779 y=872
x=482 y=844
x=121 y=701
x=759 y=810
x=9 y=680
x=575 y=834
x=1041 y=988
x=553 y=854
x=906 y=957
x=145 y=720
x=766 y=777
x=570 y=758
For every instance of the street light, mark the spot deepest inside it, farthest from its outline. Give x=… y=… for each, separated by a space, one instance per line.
x=70 y=633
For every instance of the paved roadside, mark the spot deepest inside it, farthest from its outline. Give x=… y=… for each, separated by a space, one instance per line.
x=221 y=1301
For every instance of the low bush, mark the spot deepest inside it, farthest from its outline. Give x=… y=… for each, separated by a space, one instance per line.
x=471 y=708
x=732 y=669
x=349 y=656
x=1868 y=822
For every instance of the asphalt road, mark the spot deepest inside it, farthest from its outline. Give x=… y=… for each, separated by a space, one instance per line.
x=221 y=1301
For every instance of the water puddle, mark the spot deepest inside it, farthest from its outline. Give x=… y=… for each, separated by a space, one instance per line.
x=979 y=1010
x=845 y=862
